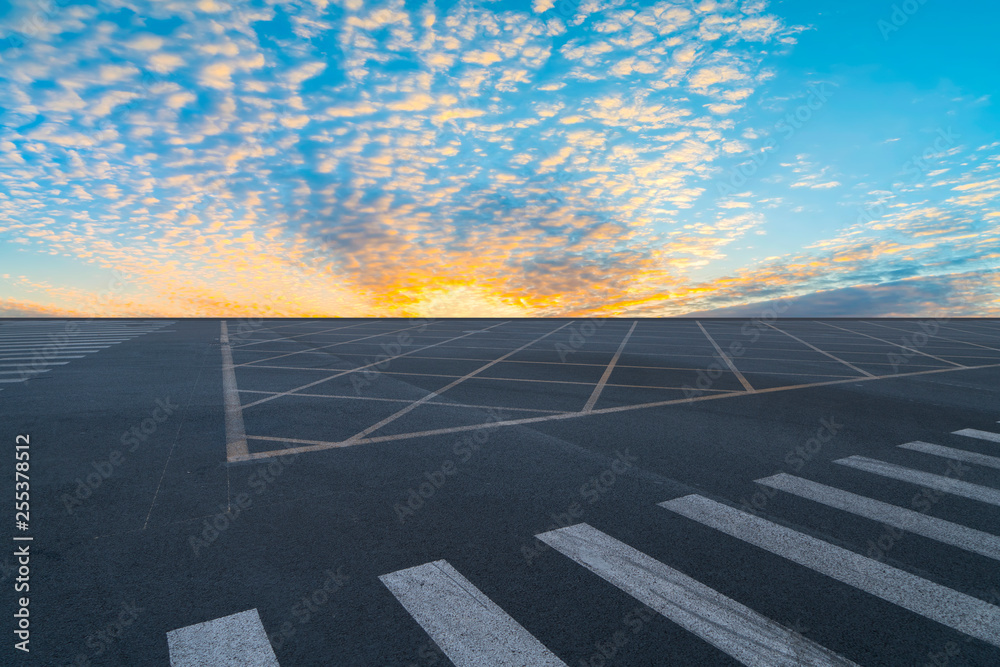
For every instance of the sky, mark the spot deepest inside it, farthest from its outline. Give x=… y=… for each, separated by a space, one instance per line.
x=477 y=158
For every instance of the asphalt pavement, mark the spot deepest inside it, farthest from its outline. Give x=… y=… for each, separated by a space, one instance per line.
x=422 y=492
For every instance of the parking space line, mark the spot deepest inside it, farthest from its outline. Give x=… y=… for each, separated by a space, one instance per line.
x=909 y=520
x=848 y=364
x=236 y=438
x=725 y=357
x=434 y=394
x=899 y=345
x=976 y=433
x=467 y=626
x=731 y=627
x=324 y=347
x=937 y=337
x=607 y=371
x=955 y=487
x=407 y=400
x=954 y=454
x=601 y=411
x=288 y=338
x=944 y=605
x=355 y=370
x=238 y=640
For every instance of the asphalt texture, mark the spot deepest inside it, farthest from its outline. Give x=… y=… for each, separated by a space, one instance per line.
x=169 y=487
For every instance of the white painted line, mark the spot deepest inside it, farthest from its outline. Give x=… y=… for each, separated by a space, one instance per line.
x=288 y=338
x=47 y=363
x=90 y=347
x=726 y=624
x=352 y=370
x=937 y=337
x=44 y=360
x=344 y=342
x=468 y=627
x=954 y=454
x=846 y=363
x=917 y=523
x=236 y=437
x=238 y=640
x=956 y=610
x=889 y=342
x=434 y=394
x=13 y=381
x=955 y=487
x=603 y=411
x=725 y=357
x=29 y=371
x=445 y=404
x=981 y=435
x=607 y=371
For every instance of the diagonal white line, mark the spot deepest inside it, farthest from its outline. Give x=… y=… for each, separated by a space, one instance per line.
x=733 y=628
x=955 y=487
x=607 y=371
x=361 y=368
x=323 y=347
x=725 y=357
x=849 y=365
x=938 y=336
x=469 y=627
x=286 y=338
x=949 y=607
x=976 y=433
x=239 y=639
x=953 y=454
x=899 y=345
x=434 y=394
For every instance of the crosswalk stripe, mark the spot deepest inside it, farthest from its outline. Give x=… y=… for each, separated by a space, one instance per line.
x=238 y=640
x=918 y=523
x=726 y=624
x=950 y=485
x=464 y=623
x=954 y=454
x=956 y=610
x=976 y=433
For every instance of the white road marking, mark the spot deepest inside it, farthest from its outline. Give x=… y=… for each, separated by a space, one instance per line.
x=30 y=371
x=607 y=371
x=954 y=454
x=434 y=394
x=355 y=370
x=918 y=523
x=468 y=627
x=47 y=363
x=321 y=445
x=937 y=337
x=238 y=640
x=726 y=624
x=343 y=342
x=236 y=437
x=846 y=363
x=976 y=433
x=725 y=357
x=889 y=342
x=956 y=610
x=446 y=404
x=939 y=482
x=46 y=359
x=288 y=338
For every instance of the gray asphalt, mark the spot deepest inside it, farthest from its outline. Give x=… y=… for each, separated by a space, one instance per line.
x=129 y=472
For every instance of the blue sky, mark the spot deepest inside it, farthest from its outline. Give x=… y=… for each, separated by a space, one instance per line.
x=530 y=158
